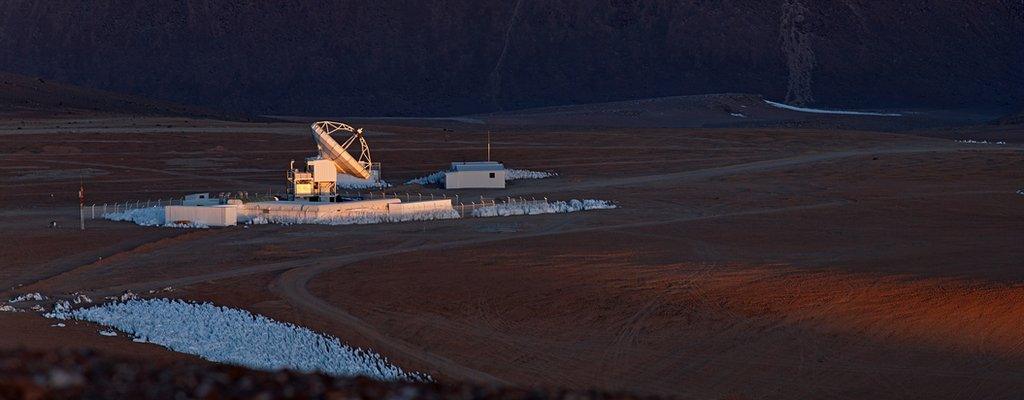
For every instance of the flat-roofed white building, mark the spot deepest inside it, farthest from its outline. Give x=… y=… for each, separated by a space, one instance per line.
x=475 y=175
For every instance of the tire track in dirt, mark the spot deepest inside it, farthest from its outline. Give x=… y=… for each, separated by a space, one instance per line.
x=756 y=166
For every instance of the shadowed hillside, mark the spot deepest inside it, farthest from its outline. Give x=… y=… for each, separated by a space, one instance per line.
x=460 y=57
x=26 y=96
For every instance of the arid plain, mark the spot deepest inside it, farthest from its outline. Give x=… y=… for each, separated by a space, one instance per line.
x=776 y=261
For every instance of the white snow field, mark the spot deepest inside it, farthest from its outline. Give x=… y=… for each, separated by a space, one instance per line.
x=534 y=208
x=234 y=336
x=823 y=111
x=510 y=175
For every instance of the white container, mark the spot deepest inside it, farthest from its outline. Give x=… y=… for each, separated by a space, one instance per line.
x=475 y=175
x=219 y=215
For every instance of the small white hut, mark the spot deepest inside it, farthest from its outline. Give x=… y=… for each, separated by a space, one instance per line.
x=475 y=175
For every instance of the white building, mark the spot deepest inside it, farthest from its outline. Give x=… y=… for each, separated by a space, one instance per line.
x=475 y=175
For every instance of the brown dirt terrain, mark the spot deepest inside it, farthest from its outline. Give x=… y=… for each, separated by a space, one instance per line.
x=749 y=262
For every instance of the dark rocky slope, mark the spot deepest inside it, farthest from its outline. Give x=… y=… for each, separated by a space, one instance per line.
x=461 y=56
x=27 y=96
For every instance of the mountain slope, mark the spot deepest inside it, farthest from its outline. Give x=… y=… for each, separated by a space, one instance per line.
x=460 y=56
x=25 y=95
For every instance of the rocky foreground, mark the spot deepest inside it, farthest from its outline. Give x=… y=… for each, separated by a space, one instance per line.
x=89 y=375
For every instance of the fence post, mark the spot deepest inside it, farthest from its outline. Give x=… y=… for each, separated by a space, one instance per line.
x=93 y=210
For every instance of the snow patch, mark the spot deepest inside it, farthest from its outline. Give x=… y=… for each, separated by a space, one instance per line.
x=108 y=333
x=515 y=174
x=128 y=295
x=7 y=308
x=1021 y=192
x=234 y=336
x=58 y=325
x=27 y=297
x=972 y=141
x=81 y=298
x=437 y=177
x=534 y=208
x=150 y=216
x=738 y=115
x=363 y=184
x=61 y=306
x=823 y=111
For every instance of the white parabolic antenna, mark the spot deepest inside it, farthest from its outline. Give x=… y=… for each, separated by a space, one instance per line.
x=338 y=153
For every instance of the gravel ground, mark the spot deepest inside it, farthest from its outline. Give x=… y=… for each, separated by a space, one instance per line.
x=88 y=375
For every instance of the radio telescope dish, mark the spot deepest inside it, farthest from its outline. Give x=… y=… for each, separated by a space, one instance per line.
x=338 y=153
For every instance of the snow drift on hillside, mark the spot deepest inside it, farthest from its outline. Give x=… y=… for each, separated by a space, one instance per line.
x=234 y=336
x=822 y=111
x=533 y=208
x=510 y=175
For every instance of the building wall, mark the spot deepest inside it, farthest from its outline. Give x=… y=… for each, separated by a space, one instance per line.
x=420 y=206
x=202 y=215
x=475 y=179
x=316 y=210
